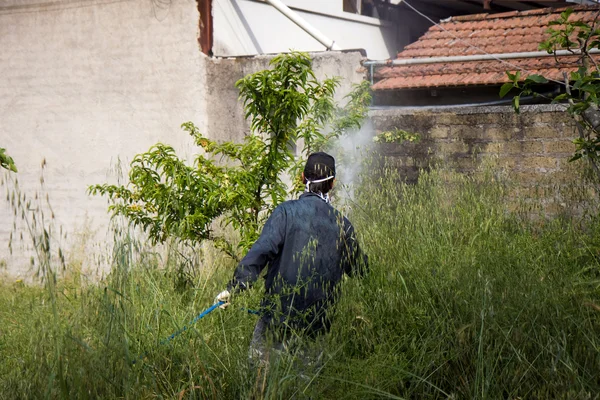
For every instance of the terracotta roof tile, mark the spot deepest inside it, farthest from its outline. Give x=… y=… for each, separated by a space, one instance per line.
x=468 y=73
x=512 y=32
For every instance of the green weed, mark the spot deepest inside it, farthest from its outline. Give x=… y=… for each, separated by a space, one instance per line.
x=463 y=300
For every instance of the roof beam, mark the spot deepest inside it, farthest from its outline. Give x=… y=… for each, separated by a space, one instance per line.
x=515 y=5
x=468 y=6
x=478 y=6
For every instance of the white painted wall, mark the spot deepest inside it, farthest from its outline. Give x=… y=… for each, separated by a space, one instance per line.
x=249 y=27
x=83 y=83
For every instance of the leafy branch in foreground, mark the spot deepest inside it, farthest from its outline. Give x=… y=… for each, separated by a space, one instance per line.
x=350 y=117
x=579 y=41
x=6 y=161
x=238 y=184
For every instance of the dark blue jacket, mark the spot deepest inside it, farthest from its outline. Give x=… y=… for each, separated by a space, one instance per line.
x=308 y=246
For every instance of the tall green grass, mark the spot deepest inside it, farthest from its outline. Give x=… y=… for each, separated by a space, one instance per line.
x=463 y=300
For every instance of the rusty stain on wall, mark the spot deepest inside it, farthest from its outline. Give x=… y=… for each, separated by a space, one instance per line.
x=206 y=26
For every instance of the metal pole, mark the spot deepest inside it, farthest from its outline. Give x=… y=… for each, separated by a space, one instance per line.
x=475 y=57
x=308 y=28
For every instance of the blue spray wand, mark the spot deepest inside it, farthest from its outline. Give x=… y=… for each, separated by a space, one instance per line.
x=185 y=327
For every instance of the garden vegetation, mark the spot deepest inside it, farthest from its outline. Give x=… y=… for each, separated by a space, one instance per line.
x=464 y=298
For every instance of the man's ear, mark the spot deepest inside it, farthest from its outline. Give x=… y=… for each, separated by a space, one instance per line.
x=303 y=178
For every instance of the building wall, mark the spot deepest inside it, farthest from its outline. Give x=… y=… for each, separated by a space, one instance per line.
x=225 y=116
x=533 y=147
x=248 y=27
x=85 y=84
x=88 y=84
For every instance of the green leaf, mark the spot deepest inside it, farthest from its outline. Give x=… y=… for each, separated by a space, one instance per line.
x=576 y=157
x=560 y=97
x=590 y=88
x=565 y=14
x=536 y=78
x=578 y=108
x=506 y=88
x=547 y=46
x=581 y=24
x=517 y=77
x=6 y=161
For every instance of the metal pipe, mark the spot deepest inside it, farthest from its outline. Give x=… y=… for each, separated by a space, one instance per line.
x=476 y=57
x=308 y=28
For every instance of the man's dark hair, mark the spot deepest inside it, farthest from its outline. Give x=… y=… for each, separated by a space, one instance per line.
x=319 y=166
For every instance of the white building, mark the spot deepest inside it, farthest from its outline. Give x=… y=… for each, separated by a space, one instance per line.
x=248 y=27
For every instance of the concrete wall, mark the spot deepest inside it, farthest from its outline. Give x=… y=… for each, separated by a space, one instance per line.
x=88 y=83
x=247 y=27
x=225 y=116
x=534 y=146
x=84 y=83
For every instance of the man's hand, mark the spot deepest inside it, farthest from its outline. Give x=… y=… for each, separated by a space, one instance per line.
x=223 y=297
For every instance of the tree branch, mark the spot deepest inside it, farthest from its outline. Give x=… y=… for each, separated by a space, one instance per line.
x=580 y=128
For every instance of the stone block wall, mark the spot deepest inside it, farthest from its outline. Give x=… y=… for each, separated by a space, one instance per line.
x=533 y=147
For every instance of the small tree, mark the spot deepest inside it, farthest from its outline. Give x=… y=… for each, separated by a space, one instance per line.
x=239 y=183
x=582 y=88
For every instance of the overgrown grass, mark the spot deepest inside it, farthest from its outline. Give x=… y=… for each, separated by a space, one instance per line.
x=464 y=300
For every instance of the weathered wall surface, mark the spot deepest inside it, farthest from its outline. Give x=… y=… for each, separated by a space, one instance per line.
x=88 y=83
x=224 y=113
x=533 y=146
x=85 y=83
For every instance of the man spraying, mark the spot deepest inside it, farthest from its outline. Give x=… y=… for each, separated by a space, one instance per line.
x=308 y=245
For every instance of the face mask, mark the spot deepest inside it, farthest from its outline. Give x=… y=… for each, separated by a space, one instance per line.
x=325 y=196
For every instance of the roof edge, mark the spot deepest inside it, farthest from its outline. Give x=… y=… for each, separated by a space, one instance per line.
x=512 y=14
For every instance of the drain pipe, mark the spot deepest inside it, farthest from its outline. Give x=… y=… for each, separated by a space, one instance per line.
x=475 y=57
x=308 y=28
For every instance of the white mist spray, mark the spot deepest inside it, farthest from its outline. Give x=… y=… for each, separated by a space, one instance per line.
x=350 y=151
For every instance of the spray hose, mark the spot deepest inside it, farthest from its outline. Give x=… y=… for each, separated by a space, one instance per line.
x=192 y=322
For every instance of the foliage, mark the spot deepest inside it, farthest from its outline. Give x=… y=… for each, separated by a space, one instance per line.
x=396 y=136
x=6 y=161
x=350 y=117
x=238 y=183
x=464 y=300
x=579 y=39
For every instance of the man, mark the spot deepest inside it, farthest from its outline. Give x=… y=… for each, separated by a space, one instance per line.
x=308 y=246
